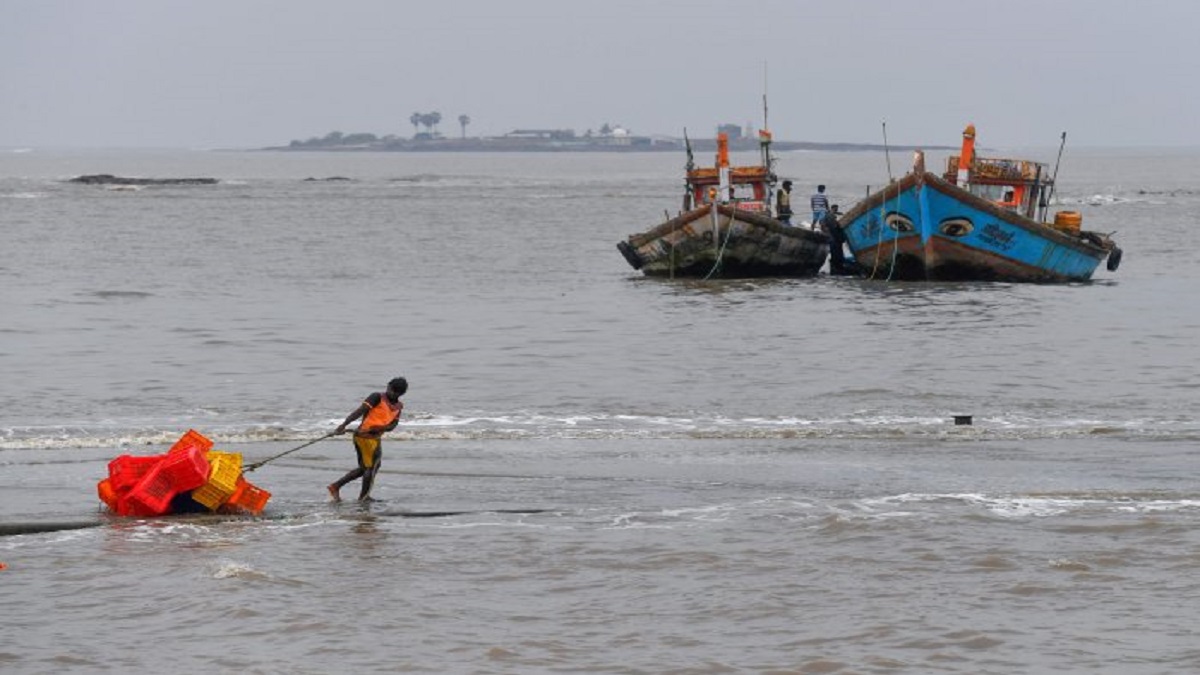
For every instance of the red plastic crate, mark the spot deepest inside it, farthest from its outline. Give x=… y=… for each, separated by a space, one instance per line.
x=125 y=471
x=185 y=469
x=151 y=496
x=131 y=508
x=192 y=439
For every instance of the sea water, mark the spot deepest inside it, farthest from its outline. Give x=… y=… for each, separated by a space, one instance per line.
x=595 y=471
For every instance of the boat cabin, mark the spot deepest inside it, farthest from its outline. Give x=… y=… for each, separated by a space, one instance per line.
x=744 y=187
x=1018 y=185
x=1014 y=184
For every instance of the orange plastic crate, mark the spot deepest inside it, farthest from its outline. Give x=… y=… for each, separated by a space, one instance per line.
x=248 y=497
x=125 y=471
x=192 y=439
x=226 y=469
x=107 y=493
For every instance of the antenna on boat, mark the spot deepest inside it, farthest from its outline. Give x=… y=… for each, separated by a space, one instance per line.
x=1054 y=178
x=764 y=135
x=765 y=125
x=764 y=144
x=887 y=152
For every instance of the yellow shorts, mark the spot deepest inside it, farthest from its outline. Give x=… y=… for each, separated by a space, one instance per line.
x=368 y=451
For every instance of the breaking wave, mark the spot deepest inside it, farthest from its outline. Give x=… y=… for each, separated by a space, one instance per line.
x=519 y=426
x=1037 y=505
x=1097 y=200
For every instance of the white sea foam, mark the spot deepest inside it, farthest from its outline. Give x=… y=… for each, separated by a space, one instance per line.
x=229 y=569
x=1103 y=199
x=1037 y=506
x=118 y=433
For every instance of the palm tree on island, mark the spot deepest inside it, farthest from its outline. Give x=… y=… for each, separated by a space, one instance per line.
x=463 y=121
x=427 y=120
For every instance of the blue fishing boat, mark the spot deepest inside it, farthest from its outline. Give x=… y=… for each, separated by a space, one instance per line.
x=983 y=220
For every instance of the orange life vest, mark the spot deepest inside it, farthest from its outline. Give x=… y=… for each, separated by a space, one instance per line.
x=380 y=416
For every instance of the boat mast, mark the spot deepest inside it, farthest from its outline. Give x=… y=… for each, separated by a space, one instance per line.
x=887 y=153
x=764 y=141
x=1054 y=178
x=764 y=145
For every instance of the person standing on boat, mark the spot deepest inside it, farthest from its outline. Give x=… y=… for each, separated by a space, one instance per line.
x=820 y=206
x=380 y=413
x=838 y=265
x=783 y=203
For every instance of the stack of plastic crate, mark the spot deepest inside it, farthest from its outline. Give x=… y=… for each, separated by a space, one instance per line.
x=180 y=471
x=190 y=477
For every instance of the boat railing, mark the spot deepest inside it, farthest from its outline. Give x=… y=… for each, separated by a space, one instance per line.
x=998 y=169
x=751 y=205
x=737 y=174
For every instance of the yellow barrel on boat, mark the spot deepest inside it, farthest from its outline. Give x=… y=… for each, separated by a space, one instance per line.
x=1068 y=221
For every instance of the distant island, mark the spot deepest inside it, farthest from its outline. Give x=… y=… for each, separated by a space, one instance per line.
x=608 y=138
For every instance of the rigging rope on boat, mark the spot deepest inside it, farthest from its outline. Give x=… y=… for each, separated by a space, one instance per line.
x=895 y=240
x=728 y=232
x=879 y=238
x=879 y=235
x=883 y=213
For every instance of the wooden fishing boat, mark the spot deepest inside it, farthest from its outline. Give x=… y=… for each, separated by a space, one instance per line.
x=984 y=220
x=726 y=228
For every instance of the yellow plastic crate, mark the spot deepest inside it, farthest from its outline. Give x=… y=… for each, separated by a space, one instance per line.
x=222 y=479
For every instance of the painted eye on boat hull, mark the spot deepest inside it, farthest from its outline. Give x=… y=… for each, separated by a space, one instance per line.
x=956 y=227
x=899 y=222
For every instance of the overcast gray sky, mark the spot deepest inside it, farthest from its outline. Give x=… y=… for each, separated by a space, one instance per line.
x=250 y=73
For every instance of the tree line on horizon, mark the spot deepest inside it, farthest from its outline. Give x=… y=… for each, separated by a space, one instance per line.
x=417 y=119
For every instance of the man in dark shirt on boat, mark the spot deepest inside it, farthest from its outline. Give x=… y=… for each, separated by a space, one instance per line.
x=838 y=265
x=380 y=413
x=783 y=203
x=820 y=206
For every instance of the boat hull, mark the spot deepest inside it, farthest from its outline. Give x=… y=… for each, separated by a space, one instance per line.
x=923 y=228
x=730 y=243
